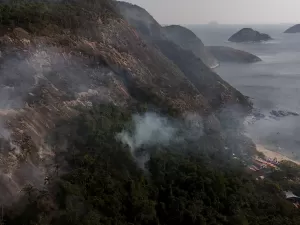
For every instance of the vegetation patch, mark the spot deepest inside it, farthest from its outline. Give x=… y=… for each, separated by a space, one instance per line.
x=187 y=184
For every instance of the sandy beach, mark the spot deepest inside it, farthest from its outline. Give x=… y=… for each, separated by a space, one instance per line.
x=273 y=154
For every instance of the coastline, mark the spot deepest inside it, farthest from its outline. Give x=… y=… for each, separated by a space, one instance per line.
x=215 y=66
x=272 y=154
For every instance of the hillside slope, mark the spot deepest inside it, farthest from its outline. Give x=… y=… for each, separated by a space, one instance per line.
x=209 y=84
x=57 y=57
x=151 y=29
x=187 y=40
x=100 y=126
x=52 y=66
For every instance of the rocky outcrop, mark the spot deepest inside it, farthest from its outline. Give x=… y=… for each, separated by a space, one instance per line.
x=187 y=40
x=249 y=35
x=227 y=54
x=293 y=29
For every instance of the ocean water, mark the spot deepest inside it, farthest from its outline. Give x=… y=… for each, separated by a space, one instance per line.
x=273 y=84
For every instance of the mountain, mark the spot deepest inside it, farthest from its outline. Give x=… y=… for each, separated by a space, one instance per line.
x=249 y=35
x=293 y=29
x=187 y=40
x=101 y=124
x=227 y=54
x=58 y=57
x=51 y=67
x=151 y=29
x=209 y=84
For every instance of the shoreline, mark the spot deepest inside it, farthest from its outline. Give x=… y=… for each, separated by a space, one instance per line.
x=273 y=154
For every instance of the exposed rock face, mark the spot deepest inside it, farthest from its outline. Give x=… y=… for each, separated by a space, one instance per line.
x=249 y=35
x=187 y=40
x=48 y=71
x=211 y=86
x=293 y=29
x=39 y=87
x=46 y=75
x=227 y=54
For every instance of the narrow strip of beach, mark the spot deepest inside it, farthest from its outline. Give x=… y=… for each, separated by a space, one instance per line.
x=273 y=154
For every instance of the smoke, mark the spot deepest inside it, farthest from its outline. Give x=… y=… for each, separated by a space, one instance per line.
x=20 y=73
x=148 y=130
x=39 y=86
x=152 y=130
x=36 y=90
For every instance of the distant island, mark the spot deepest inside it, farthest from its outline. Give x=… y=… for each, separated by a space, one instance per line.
x=213 y=23
x=293 y=29
x=227 y=54
x=249 y=35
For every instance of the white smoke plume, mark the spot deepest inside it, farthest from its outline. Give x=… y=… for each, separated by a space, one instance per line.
x=151 y=130
x=148 y=130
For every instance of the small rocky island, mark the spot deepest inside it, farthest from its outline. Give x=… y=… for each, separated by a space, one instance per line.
x=231 y=55
x=293 y=29
x=249 y=35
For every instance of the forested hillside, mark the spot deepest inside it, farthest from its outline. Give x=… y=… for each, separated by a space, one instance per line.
x=193 y=183
x=77 y=144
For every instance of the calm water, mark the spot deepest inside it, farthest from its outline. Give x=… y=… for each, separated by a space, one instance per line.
x=273 y=83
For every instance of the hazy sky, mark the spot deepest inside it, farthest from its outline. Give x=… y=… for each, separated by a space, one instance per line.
x=223 y=11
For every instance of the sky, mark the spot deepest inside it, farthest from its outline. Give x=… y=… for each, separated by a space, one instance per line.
x=222 y=11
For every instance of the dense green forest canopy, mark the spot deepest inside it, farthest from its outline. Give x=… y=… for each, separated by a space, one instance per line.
x=188 y=184
x=34 y=15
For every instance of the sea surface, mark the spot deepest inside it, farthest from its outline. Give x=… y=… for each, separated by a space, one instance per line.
x=273 y=84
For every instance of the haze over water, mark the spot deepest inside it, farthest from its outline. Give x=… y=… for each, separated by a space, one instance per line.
x=273 y=84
